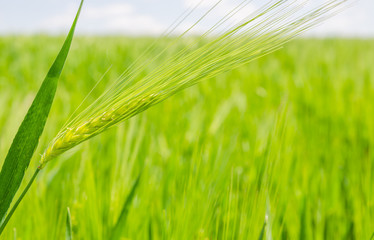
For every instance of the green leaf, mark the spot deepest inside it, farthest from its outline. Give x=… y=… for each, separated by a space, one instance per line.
x=262 y=233
x=121 y=222
x=69 y=232
x=27 y=137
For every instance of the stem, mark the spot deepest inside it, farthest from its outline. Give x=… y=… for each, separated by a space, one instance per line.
x=4 y=223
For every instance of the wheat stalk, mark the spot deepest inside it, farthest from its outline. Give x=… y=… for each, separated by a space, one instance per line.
x=258 y=34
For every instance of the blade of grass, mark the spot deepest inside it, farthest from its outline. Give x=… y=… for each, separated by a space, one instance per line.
x=121 y=222
x=27 y=137
x=262 y=233
x=69 y=232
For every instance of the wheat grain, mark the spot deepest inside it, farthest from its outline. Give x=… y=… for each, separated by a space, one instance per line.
x=256 y=35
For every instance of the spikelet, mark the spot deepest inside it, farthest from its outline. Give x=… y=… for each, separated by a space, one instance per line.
x=73 y=135
x=260 y=33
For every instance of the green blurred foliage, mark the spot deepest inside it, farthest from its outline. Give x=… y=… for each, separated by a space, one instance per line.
x=288 y=137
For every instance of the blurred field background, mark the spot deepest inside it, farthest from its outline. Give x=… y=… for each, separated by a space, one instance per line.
x=288 y=138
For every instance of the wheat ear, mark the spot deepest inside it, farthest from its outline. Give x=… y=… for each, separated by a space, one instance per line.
x=258 y=34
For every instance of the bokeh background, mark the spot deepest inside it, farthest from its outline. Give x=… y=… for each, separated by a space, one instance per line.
x=286 y=140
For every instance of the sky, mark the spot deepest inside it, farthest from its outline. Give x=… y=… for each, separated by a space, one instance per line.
x=153 y=17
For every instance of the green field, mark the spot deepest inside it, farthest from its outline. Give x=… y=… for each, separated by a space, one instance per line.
x=288 y=138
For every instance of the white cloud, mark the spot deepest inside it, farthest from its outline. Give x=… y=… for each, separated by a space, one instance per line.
x=219 y=9
x=351 y=22
x=199 y=3
x=223 y=7
x=356 y=21
x=110 y=18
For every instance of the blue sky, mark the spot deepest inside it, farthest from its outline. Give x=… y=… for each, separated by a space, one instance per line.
x=151 y=17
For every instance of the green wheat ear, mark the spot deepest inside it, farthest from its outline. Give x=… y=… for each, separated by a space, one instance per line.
x=258 y=34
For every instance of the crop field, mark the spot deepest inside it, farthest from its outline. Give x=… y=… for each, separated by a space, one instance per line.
x=280 y=148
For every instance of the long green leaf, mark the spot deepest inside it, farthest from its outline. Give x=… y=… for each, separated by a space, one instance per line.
x=121 y=222
x=262 y=233
x=69 y=232
x=27 y=137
